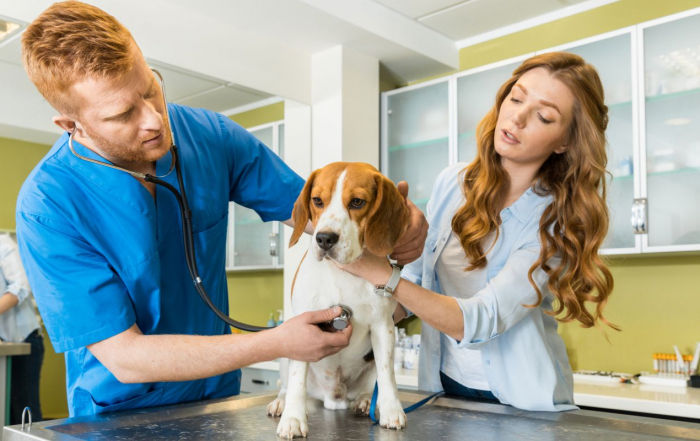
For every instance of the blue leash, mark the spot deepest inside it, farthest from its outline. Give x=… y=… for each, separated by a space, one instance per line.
x=411 y=408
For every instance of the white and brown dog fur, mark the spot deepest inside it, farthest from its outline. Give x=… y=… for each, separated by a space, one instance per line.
x=352 y=206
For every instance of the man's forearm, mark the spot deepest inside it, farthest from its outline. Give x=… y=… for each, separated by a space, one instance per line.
x=149 y=358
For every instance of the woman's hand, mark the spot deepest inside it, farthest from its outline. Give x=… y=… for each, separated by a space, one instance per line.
x=410 y=245
x=374 y=269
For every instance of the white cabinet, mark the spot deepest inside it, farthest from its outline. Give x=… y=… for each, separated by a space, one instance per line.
x=476 y=95
x=612 y=56
x=251 y=243
x=416 y=137
x=651 y=76
x=670 y=85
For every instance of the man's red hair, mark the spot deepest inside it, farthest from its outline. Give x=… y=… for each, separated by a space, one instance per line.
x=71 y=41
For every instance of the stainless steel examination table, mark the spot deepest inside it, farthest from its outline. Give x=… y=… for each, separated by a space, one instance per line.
x=244 y=418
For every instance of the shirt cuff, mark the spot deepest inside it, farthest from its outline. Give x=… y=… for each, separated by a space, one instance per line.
x=480 y=323
x=18 y=291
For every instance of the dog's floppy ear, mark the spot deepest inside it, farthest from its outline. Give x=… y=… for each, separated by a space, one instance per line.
x=387 y=220
x=301 y=213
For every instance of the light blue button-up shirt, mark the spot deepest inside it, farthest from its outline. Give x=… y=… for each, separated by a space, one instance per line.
x=18 y=322
x=524 y=358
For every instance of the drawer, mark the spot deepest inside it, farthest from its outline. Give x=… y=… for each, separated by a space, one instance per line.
x=258 y=380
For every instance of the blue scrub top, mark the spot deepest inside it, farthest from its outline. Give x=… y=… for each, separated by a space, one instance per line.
x=101 y=254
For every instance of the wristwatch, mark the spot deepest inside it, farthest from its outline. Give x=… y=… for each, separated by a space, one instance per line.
x=388 y=289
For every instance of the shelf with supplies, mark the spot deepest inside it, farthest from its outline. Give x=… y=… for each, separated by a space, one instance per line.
x=672 y=95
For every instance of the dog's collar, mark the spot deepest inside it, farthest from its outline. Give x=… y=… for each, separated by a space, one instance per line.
x=388 y=289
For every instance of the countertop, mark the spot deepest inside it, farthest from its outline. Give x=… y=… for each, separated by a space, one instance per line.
x=655 y=400
x=644 y=398
x=8 y=348
x=245 y=417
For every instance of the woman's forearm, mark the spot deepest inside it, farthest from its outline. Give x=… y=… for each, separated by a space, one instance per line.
x=7 y=302
x=441 y=312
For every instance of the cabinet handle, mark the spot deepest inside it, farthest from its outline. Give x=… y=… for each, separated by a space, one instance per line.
x=263 y=382
x=273 y=244
x=639 y=216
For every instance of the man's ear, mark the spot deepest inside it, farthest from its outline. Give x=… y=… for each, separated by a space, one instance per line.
x=301 y=213
x=388 y=219
x=65 y=122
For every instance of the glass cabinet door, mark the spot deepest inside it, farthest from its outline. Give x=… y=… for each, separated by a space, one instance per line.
x=417 y=138
x=672 y=117
x=476 y=95
x=251 y=236
x=612 y=58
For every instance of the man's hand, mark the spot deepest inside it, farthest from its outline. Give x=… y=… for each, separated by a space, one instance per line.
x=410 y=245
x=300 y=338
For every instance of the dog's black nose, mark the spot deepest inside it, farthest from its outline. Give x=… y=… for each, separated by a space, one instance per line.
x=326 y=240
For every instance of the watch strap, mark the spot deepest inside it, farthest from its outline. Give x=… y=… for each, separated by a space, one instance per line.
x=388 y=289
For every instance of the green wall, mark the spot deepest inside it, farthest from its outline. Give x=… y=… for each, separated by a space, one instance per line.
x=17 y=159
x=656 y=299
x=261 y=115
x=586 y=24
x=253 y=295
x=655 y=302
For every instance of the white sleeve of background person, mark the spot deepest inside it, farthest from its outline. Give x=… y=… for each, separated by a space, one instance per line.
x=11 y=265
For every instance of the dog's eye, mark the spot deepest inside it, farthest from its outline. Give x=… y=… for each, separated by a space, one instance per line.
x=357 y=203
x=318 y=202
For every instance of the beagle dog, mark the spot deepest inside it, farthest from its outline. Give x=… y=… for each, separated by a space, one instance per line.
x=351 y=206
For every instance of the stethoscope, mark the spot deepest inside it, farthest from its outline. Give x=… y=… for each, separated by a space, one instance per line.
x=337 y=324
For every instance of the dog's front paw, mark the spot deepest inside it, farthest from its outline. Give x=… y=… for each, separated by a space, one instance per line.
x=292 y=426
x=362 y=403
x=276 y=408
x=392 y=416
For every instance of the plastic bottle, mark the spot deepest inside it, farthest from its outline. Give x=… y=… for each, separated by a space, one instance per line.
x=416 y=341
x=280 y=317
x=398 y=357
x=271 y=322
x=409 y=359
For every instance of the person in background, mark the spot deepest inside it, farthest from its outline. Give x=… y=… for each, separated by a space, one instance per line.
x=513 y=243
x=19 y=324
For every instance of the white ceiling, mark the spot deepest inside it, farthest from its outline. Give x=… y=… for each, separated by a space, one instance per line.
x=224 y=54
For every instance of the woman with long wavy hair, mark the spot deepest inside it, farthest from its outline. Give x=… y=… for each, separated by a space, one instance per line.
x=513 y=243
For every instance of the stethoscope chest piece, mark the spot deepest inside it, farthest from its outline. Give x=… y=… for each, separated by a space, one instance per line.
x=338 y=323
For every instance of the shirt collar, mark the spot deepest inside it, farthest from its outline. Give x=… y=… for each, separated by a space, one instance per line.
x=524 y=207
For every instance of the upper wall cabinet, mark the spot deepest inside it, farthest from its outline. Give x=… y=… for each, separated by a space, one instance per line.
x=611 y=55
x=416 y=137
x=476 y=95
x=651 y=76
x=251 y=243
x=670 y=143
